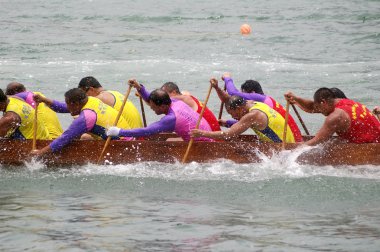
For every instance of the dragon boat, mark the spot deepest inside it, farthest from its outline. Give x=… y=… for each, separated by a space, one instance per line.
x=243 y=149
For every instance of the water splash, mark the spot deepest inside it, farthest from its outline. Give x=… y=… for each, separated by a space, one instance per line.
x=34 y=165
x=280 y=165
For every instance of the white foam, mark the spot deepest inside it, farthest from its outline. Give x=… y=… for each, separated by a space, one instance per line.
x=279 y=165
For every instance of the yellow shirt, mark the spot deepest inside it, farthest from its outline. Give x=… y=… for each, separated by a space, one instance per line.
x=130 y=112
x=105 y=117
x=275 y=129
x=26 y=114
x=50 y=119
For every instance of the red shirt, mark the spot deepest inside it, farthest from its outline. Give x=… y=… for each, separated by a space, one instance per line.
x=292 y=124
x=208 y=115
x=364 y=128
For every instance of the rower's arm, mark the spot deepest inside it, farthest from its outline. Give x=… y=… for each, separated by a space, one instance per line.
x=144 y=93
x=235 y=130
x=188 y=100
x=306 y=105
x=8 y=121
x=57 y=106
x=223 y=96
x=166 y=124
x=336 y=121
x=84 y=123
x=232 y=90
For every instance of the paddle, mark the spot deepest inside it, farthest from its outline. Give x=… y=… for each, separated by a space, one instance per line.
x=221 y=106
x=142 y=111
x=286 y=125
x=115 y=123
x=300 y=119
x=34 y=143
x=197 y=125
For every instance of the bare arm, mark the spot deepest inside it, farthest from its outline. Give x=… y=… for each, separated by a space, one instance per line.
x=252 y=119
x=223 y=96
x=9 y=121
x=188 y=100
x=306 y=105
x=336 y=121
x=41 y=152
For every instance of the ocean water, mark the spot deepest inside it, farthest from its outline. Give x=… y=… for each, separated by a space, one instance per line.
x=277 y=205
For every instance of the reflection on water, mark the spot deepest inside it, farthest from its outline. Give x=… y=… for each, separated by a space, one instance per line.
x=69 y=209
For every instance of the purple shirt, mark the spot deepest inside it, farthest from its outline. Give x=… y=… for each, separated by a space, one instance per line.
x=59 y=107
x=231 y=89
x=27 y=96
x=83 y=124
x=144 y=93
x=166 y=124
x=169 y=122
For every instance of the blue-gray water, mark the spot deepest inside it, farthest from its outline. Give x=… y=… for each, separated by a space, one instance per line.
x=277 y=205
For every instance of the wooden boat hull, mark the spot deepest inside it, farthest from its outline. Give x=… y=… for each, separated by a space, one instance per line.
x=16 y=152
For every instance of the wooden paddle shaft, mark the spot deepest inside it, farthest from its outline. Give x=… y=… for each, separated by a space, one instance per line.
x=115 y=123
x=197 y=125
x=285 y=125
x=35 y=125
x=221 y=107
x=142 y=111
x=300 y=119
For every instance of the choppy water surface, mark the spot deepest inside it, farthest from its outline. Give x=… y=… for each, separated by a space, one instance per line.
x=277 y=205
x=219 y=206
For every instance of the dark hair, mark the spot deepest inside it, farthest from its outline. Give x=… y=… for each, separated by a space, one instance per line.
x=14 y=88
x=338 y=93
x=250 y=86
x=235 y=101
x=3 y=97
x=324 y=94
x=76 y=95
x=87 y=82
x=160 y=97
x=170 y=87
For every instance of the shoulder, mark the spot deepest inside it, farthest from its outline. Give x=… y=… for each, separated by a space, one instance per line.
x=254 y=115
x=11 y=116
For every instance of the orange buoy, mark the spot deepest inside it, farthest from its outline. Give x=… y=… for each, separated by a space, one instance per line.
x=245 y=29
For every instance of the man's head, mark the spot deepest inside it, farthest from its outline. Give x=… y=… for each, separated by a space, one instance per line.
x=159 y=101
x=338 y=93
x=14 y=88
x=75 y=99
x=324 y=101
x=171 y=88
x=89 y=84
x=235 y=106
x=251 y=86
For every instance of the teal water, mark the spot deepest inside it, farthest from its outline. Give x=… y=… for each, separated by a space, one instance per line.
x=277 y=205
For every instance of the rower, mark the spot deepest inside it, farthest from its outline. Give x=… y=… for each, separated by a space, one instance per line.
x=172 y=89
x=349 y=119
x=265 y=121
x=251 y=90
x=48 y=116
x=94 y=117
x=179 y=117
x=308 y=105
x=92 y=87
x=18 y=118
